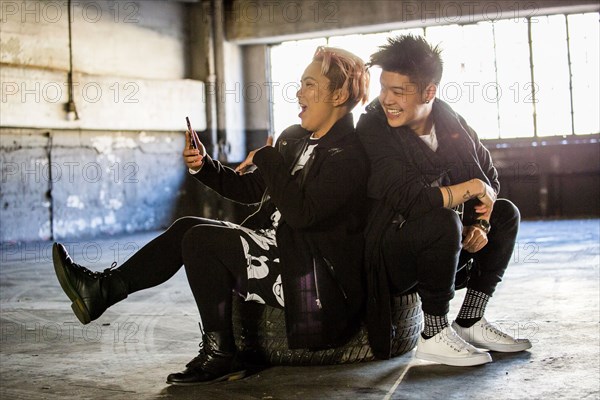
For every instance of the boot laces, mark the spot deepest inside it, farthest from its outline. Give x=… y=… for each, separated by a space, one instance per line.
x=200 y=358
x=96 y=274
x=109 y=269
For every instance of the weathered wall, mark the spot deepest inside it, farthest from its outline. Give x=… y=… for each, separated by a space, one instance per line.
x=118 y=167
x=68 y=183
x=141 y=39
x=129 y=63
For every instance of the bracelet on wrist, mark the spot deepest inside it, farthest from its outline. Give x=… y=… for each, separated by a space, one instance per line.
x=484 y=225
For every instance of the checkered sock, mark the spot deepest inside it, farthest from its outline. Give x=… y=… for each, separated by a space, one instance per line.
x=472 y=309
x=434 y=324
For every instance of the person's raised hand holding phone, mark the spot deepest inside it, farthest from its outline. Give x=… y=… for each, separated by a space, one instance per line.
x=193 y=153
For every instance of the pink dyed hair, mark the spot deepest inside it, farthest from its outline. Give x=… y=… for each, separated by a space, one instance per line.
x=345 y=71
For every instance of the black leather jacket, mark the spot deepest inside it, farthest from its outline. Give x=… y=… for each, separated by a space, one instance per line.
x=320 y=234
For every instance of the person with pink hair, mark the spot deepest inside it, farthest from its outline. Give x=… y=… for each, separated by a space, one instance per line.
x=305 y=240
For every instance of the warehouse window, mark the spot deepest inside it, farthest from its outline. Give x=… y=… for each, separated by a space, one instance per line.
x=531 y=77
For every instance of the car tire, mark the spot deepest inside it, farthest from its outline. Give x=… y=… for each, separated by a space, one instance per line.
x=261 y=336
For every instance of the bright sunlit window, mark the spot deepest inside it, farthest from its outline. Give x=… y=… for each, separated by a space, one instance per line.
x=551 y=75
x=502 y=85
x=584 y=45
x=515 y=102
x=469 y=79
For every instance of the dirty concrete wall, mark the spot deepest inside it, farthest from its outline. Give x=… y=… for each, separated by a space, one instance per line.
x=118 y=167
x=69 y=183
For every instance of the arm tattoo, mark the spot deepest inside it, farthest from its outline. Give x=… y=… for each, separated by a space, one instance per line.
x=450 y=197
x=467 y=195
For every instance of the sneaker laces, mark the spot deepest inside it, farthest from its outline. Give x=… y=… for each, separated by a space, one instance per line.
x=455 y=341
x=495 y=329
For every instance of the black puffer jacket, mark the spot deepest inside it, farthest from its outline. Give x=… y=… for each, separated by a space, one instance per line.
x=320 y=234
x=399 y=189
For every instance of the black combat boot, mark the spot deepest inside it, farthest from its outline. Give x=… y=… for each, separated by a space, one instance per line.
x=91 y=292
x=251 y=352
x=216 y=362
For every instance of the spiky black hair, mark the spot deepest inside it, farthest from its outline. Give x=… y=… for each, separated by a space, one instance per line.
x=412 y=56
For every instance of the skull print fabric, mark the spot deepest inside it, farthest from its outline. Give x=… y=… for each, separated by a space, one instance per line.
x=263 y=267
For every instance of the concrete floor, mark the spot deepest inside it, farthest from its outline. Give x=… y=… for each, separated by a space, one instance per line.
x=550 y=294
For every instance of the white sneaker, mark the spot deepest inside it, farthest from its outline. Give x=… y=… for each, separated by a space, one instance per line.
x=489 y=336
x=448 y=348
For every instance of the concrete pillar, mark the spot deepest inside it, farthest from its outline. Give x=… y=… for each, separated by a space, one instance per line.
x=218 y=62
x=258 y=95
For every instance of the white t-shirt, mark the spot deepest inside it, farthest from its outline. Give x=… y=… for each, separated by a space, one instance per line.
x=432 y=142
x=303 y=159
x=431 y=139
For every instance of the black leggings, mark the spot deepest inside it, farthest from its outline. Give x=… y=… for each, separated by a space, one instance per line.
x=215 y=264
x=425 y=253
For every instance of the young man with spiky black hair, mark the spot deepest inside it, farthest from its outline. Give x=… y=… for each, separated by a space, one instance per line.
x=433 y=191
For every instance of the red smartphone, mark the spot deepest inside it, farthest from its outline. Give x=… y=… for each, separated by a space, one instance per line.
x=192 y=134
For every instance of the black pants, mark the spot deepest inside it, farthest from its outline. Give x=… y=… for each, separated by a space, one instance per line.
x=219 y=258
x=425 y=253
